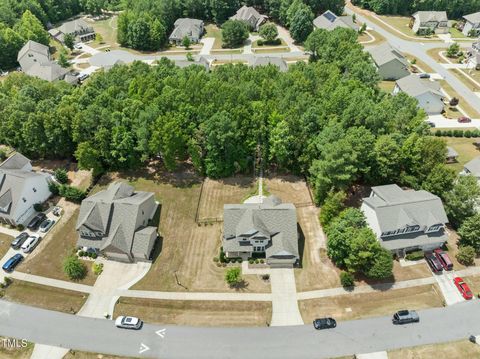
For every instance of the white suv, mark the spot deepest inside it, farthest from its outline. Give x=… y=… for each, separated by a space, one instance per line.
x=30 y=243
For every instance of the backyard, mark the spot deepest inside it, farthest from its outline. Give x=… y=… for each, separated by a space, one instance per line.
x=355 y=306
x=5 y=241
x=465 y=149
x=197 y=313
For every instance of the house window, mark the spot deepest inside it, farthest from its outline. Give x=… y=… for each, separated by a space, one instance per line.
x=24 y=199
x=34 y=189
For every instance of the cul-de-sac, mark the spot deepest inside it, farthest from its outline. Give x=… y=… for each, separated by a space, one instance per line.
x=230 y=179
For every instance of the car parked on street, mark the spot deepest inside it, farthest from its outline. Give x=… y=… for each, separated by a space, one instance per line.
x=443 y=258
x=36 y=221
x=46 y=225
x=424 y=76
x=433 y=262
x=324 y=323
x=10 y=265
x=463 y=288
x=30 y=244
x=464 y=119
x=405 y=317
x=128 y=322
x=18 y=241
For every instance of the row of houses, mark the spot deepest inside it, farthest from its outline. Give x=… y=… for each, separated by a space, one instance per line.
x=437 y=22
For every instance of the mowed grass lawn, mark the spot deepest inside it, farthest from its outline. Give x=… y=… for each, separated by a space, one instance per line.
x=49 y=263
x=187 y=249
x=355 y=306
x=73 y=354
x=45 y=297
x=460 y=349
x=387 y=86
x=107 y=29
x=197 y=313
x=465 y=149
x=5 y=241
x=13 y=352
x=400 y=23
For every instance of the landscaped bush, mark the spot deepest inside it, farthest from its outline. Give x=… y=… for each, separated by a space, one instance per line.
x=233 y=276
x=97 y=268
x=250 y=261
x=54 y=188
x=347 y=279
x=438 y=133
x=414 y=256
x=61 y=175
x=466 y=255
x=74 y=268
x=94 y=255
x=71 y=194
x=38 y=207
x=20 y=227
x=215 y=259
x=3 y=155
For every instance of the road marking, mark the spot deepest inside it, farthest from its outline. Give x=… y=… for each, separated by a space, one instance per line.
x=143 y=348
x=161 y=332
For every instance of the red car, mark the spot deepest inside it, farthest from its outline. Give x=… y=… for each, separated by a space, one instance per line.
x=464 y=119
x=443 y=258
x=463 y=288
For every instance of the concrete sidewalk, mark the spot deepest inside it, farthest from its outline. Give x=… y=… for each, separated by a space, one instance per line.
x=51 y=282
x=284 y=298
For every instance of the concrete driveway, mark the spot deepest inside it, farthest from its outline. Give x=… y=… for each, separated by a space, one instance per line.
x=284 y=298
x=448 y=288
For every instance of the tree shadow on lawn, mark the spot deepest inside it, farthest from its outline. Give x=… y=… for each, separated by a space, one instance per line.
x=301 y=245
x=240 y=286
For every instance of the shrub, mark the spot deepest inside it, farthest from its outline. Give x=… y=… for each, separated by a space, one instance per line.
x=414 y=256
x=439 y=133
x=466 y=255
x=239 y=260
x=250 y=261
x=448 y=133
x=3 y=155
x=467 y=134
x=215 y=259
x=347 y=279
x=94 y=255
x=74 y=268
x=54 y=188
x=260 y=42
x=234 y=33
x=265 y=276
x=233 y=276
x=38 y=207
x=97 y=268
x=257 y=261
x=20 y=227
x=454 y=101
x=81 y=254
x=61 y=175
x=71 y=194
x=262 y=261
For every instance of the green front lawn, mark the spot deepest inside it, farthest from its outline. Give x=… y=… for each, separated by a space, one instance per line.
x=465 y=148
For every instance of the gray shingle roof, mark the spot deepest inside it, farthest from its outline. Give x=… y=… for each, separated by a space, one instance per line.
x=187 y=27
x=17 y=161
x=473 y=166
x=50 y=71
x=202 y=61
x=32 y=46
x=329 y=21
x=427 y=16
x=473 y=18
x=271 y=220
x=451 y=152
x=415 y=86
x=246 y=13
x=77 y=25
x=385 y=53
x=267 y=60
x=397 y=208
x=413 y=240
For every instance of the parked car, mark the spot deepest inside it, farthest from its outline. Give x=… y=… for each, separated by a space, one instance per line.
x=433 y=262
x=405 y=317
x=46 y=225
x=424 y=76
x=83 y=77
x=128 y=322
x=77 y=46
x=463 y=288
x=443 y=258
x=10 y=265
x=18 y=241
x=464 y=119
x=35 y=222
x=324 y=323
x=57 y=211
x=30 y=244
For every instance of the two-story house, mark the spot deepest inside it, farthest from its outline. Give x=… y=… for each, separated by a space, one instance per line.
x=428 y=93
x=20 y=189
x=251 y=16
x=405 y=220
x=430 y=21
x=82 y=31
x=116 y=223
x=184 y=27
x=268 y=228
x=472 y=24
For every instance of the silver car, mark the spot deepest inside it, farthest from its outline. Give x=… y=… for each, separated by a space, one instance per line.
x=128 y=322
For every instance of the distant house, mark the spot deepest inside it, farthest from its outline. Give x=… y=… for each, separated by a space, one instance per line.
x=472 y=168
x=82 y=31
x=115 y=222
x=251 y=16
x=452 y=155
x=20 y=189
x=329 y=21
x=472 y=24
x=34 y=59
x=268 y=228
x=184 y=27
x=428 y=93
x=267 y=60
x=425 y=21
x=405 y=220
x=390 y=63
x=474 y=54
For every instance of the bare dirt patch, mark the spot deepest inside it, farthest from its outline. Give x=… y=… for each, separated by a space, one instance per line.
x=197 y=313
x=354 y=306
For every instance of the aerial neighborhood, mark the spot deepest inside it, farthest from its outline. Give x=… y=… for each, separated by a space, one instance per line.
x=183 y=169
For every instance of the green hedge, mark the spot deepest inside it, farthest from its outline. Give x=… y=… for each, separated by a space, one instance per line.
x=414 y=256
x=457 y=133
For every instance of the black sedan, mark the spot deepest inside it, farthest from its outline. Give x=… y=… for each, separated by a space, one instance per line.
x=324 y=323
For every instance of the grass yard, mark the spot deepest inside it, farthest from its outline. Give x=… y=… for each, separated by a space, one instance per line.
x=271 y=50
x=72 y=354
x=5 y=241
x=214 y=31
x=387 y=86
x=16 y=352
x=400 y=23
x=474 y=283
x=471 y=112
x=465 y=148
x=419 y=64
x=460 y=349
x=226 y=51
x=50 y=262
x=466 y=81
x=45 y=297
x=107 y=29
x=434 y=54
x=197 y=313
x=187 y=249
x=457 y=34
x=355 y=306
x=378 y=38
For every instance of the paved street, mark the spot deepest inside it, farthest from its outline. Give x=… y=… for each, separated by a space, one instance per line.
x=360 y=336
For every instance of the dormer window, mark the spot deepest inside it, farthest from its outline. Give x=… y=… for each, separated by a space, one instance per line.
x=24 y=199
x=34 y=189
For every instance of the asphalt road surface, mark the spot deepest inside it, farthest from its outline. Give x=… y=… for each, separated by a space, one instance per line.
x=360 y=336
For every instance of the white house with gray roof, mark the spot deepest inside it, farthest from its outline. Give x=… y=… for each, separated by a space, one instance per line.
x=472 y=24
x=390 y=63
x=405 y=220
x=428 y=93
x=268 y=228
x=185 y=27
x=115 y=222
x=329 y=21
x=251 y=16
x=79 y=28
x=435 y=21
x=20 y=189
